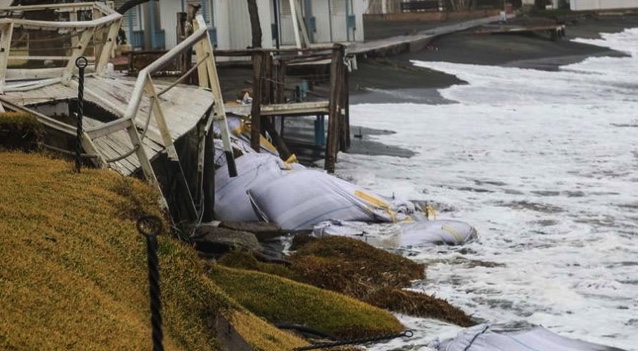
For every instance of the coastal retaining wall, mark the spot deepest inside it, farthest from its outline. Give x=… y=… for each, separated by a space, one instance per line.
x=584 y=5
x=433 y=16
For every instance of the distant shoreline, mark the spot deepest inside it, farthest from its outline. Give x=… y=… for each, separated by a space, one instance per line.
x=395 y=80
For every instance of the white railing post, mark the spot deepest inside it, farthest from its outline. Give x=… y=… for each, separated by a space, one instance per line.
x=219 y=111
x=85 y=39
x=5 y=48
x=107 y=48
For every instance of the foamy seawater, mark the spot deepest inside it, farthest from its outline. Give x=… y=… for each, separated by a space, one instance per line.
x=545 y=165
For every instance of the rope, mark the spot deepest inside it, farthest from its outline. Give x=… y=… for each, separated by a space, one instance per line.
x=66 y=152
x=474 y=338
x=407 y=333
x=81 y=63
x=123 y=156
x=185 y=75
x=150 y=227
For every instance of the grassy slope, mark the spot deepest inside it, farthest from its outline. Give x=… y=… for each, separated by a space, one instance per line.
x=280 y=300
x=73 y=269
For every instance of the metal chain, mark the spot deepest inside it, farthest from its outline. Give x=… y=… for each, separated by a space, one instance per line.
x=408 y=334
x=150 y=227
x=81 y=63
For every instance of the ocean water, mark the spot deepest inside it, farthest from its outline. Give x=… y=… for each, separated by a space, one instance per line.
x=545 y=166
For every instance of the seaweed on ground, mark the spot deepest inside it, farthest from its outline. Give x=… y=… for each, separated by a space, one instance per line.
x=359 y=270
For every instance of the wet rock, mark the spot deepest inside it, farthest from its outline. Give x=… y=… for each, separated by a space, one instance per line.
x=261 y=230
x=213 y=240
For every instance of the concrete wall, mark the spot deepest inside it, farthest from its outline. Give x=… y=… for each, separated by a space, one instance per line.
x=359 y=7
x=168 y=21
x=581 y=5
x=232 y=21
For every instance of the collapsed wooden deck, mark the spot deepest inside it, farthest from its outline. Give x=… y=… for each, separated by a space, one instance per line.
x=128 y=122
x=112 y=95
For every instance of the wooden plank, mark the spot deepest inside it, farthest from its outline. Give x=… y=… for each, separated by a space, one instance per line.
x=296 y=109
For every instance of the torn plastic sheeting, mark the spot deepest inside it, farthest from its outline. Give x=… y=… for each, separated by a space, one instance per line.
x=497 y=337
x=254 y=170
x=303 y=198
x=403 y=234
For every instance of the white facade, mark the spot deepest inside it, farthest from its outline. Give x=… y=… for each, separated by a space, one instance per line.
x=581 y=5
x=233 y=24
x=554 y=3
x=229 y=22
x=328 y=20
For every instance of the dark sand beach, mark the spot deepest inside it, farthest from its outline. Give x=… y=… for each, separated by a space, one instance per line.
x=394 y=79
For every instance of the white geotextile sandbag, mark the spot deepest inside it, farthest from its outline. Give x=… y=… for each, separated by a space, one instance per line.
x=436 y=232
x=253 y=170
x=496 y=337
x=303 y=198
x=401 y=235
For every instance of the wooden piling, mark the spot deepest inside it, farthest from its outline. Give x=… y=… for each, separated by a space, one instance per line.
x=334 y=115
x=185 y=61
x=266 y=94
x=280 y=93
x=255 y=114
x=345 y=110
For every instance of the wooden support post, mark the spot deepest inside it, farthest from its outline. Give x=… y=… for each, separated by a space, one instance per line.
x=345 y=109
x=281 y=83
x=208 y=187
x=280 y=95
x=266 y=93
x=186 y=58
x=334 y=109
x=277 y=141
x=270 y=90
x=255 y=120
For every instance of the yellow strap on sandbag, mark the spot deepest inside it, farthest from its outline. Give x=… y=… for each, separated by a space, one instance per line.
x=429 y=210
x=371 y=199
x=292 y=159
x=455 y=233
